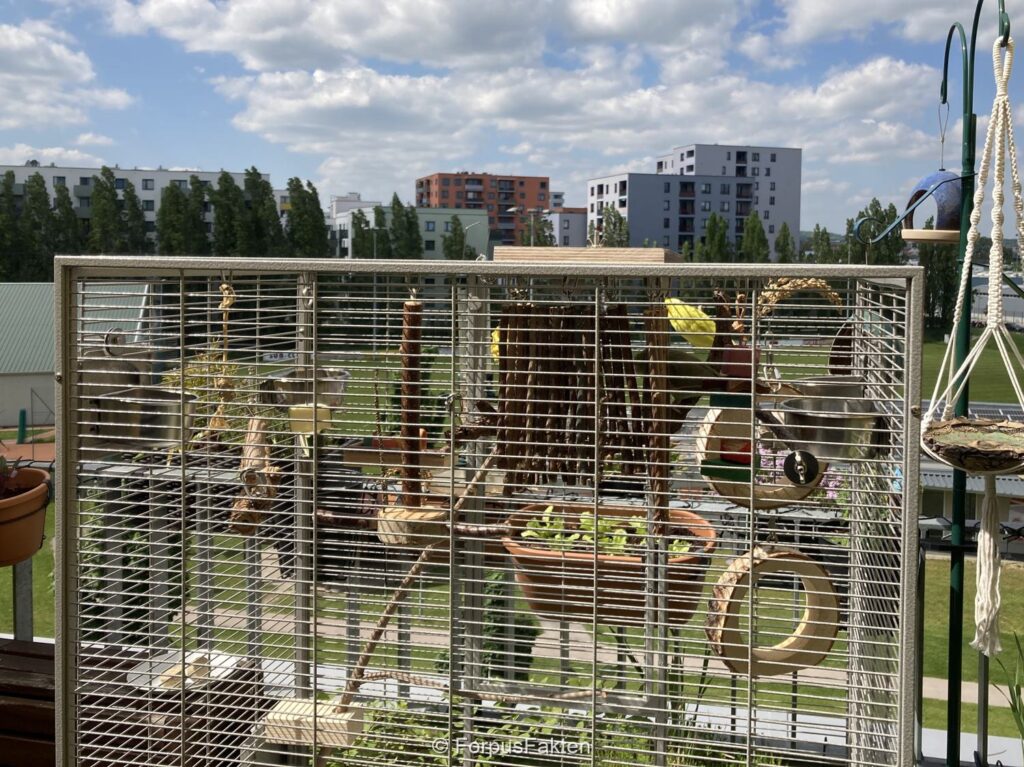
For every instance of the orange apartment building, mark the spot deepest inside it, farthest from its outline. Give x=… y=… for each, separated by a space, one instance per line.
x=495 y=194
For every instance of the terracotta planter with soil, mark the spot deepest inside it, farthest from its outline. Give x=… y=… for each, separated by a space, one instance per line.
x=23 y=515
x=561 y=584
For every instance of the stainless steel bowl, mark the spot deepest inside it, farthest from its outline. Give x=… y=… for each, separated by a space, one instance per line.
x=293 y=387
x=845 y=387
x=830 y=428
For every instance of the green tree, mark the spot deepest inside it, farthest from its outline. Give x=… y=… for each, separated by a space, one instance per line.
x=821 y=246
x=380 y=238
x=539 y=232
x=406 y=240
x=785 y=248
x=170 y=222
x=67 y=236
x=413 y=235
x=754 y=247
x=229 y=214
x=716 y=248
x=454 y=243
x=261 y=233
x=889 y=251
x=197 y=239
x=307 y=231
x=359 y=244
x=614 y=228
x=34 y=261
x=106 y=227
x=135 y=240
x=9 y=246
x=941 y=279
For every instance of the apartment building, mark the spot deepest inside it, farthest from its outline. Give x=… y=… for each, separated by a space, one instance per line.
x=435 y=223
x=671 y=207
x=569 y=226
x=149 y=184
x=507 y=200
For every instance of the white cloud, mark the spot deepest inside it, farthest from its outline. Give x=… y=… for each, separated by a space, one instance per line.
x=814 y=20
x=93 y=139
x=43 y=80
x=19 y=154
x=766 y=52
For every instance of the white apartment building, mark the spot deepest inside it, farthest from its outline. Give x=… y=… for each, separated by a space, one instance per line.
x=732 y=181
x=149 y=184
x=435 y=223
x=569 y=225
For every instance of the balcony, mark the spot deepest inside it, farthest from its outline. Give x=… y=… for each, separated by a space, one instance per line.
x=744 y=191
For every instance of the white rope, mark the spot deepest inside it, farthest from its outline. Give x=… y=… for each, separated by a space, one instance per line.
x=986 y=598
x=999 y=144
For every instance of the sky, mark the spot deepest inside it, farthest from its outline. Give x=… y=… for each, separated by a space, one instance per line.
x=368 y=95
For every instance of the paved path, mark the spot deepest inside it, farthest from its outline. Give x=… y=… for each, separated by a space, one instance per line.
x=42 y=451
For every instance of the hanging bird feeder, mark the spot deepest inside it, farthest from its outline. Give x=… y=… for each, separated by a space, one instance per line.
x=945 y=188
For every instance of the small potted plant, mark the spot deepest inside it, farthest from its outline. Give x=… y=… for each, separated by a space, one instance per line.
x=554 y=547
x=24 y=495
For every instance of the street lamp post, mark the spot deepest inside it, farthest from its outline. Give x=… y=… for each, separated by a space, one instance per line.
x=533 y=212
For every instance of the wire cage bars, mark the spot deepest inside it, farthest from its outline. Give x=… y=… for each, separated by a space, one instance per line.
x=390 y=513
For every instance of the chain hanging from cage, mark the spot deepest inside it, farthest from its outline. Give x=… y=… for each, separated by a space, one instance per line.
x=983 y=446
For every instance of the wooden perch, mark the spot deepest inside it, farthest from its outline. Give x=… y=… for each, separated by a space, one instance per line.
x=260 y=478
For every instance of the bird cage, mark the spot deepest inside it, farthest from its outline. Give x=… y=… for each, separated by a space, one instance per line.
x=439 y=513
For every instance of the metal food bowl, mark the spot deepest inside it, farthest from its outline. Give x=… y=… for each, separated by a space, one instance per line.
x=844 y=387
x=293 y=387
x=142 y=413
x=830 y=428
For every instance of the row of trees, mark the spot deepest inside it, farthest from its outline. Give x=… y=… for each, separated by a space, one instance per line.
x=246 y=222
x=401 y=237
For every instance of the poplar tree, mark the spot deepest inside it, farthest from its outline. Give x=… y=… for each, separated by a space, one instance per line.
x=106 y=228
x=197 y=240
x=170 y=222
x=135 y=240
x=380 y=240
x=228 y=215
x=754 y=244
x=34 y=260
x=454 y=243
x=785 y=248
x=8 y=228
x=67 y=238
x=307 y=230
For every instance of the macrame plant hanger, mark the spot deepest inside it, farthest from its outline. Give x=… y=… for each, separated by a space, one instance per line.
x=982 y=446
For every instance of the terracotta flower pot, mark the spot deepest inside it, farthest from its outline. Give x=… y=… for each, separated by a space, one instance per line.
x=577 y=585
x=23 y=516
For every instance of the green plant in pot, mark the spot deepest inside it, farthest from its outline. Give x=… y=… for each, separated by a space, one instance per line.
x=24 y=495
x=572 y=563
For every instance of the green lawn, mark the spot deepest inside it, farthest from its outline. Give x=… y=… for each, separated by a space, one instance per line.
x=989 y=381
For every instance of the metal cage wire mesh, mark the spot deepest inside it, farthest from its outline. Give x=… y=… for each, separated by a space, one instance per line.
x=463 y=514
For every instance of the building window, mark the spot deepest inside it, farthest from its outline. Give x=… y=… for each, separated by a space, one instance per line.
x=458 y=182
x=767 y=215
x=771 y=228
x=767 y=171
x=429 y=245
x=444 y=194
x=772 y=188
x=591 y=207
x=668 y=187
x=85 y=181
x=723 y=171
x=84 y=202
x=725 y=206
x=543 y=184
x=665 y=205
x=285 y=199
x=60 y=181
x=447 y=226
x=689 y=169
x=148 y=205
x=541 y=197
x=150 y=226
x=622 y=202
x=705 y=188
x=689 y=153
x=180 y=183
x=591 y=191
x=490 y=195
x=522 y=183
x=490 y=206
x=565 y=224
x=458 y=195
x=757 y=185
x=726 y=188
x=705 y=205
x=704 y=223
x=665 y=223
x=430 y=225
x=771 y=200
x=565 y=239
x=728 y=155
x=446 y=182
x=756 y=171
x=773 y=157
x=757 y=157
x=148 y=185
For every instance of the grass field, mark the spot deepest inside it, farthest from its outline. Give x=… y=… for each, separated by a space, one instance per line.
x=989 y=381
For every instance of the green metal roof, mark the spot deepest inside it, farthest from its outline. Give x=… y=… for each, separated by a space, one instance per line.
x=26 y=327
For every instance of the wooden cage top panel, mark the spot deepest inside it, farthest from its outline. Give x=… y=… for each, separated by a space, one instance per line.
x=515 y=253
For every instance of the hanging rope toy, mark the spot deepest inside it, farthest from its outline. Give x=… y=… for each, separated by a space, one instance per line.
x=976 y=445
